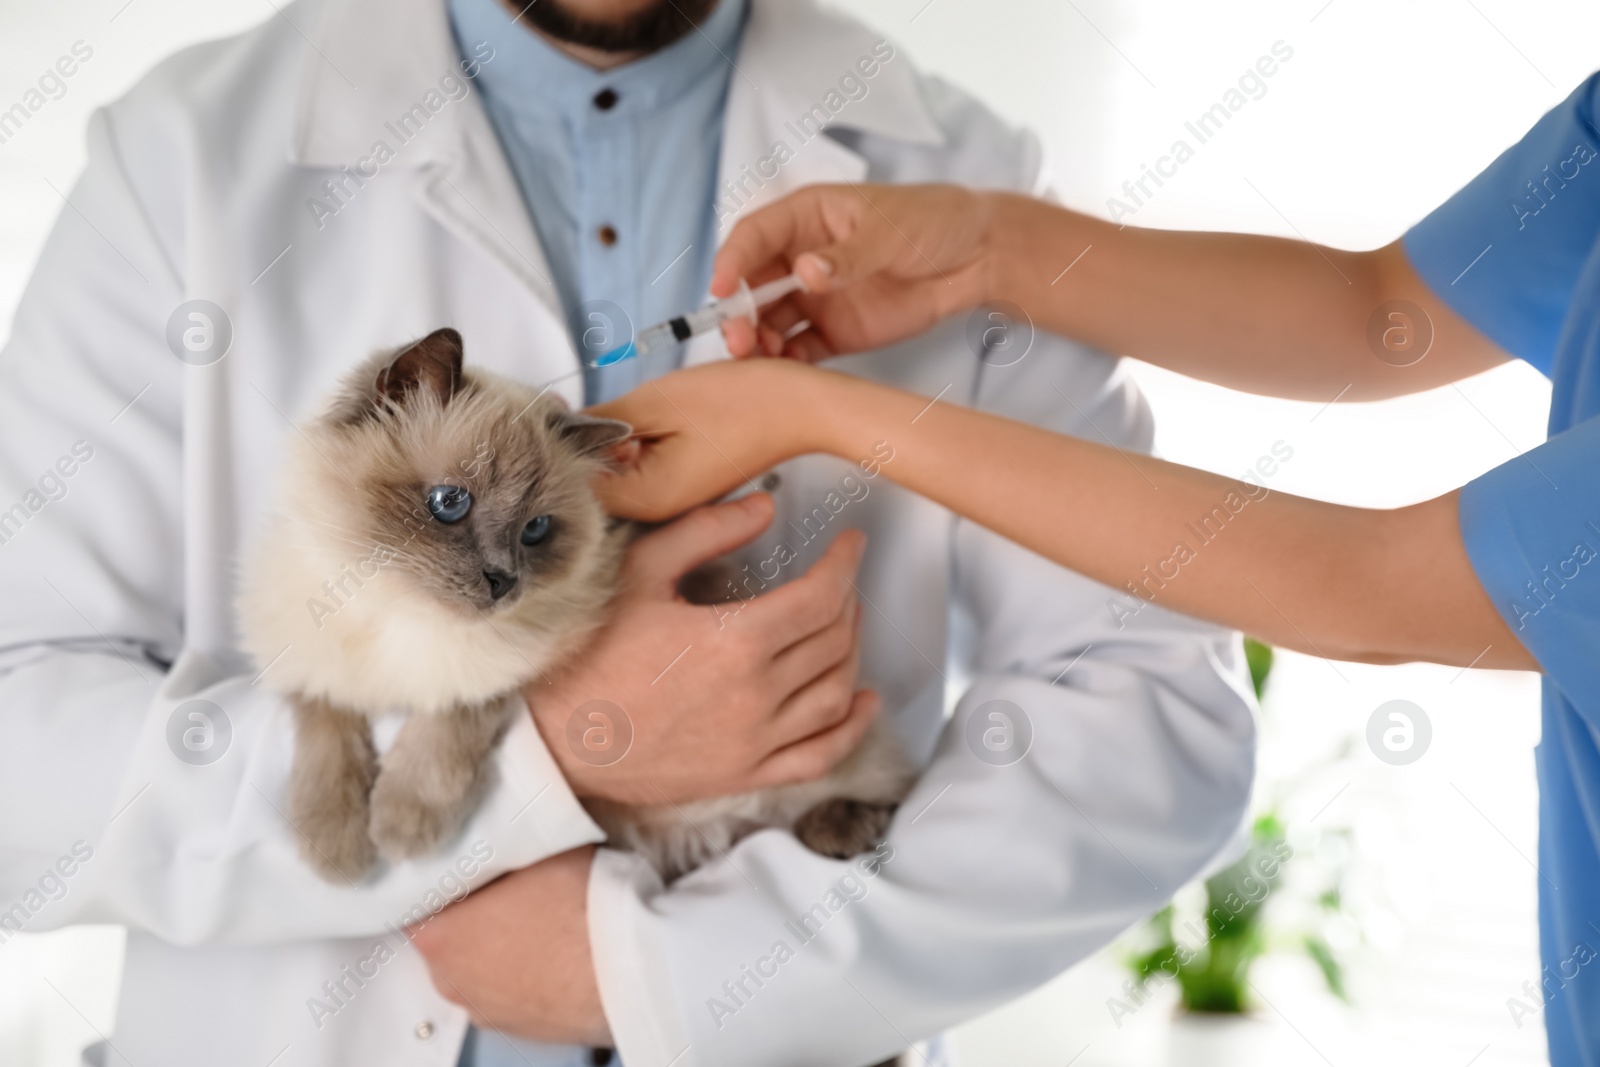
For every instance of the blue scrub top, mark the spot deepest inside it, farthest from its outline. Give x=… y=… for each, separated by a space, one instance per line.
x=1517 y=254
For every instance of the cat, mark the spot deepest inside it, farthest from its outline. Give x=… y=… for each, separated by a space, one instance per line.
x=434 y=546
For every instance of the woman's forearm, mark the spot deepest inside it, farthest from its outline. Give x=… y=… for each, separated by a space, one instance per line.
x=1341 y=582
x=1284 y=318
x=1328 y=580
x=1261 y=314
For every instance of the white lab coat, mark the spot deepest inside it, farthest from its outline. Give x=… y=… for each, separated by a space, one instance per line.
x=197 y=186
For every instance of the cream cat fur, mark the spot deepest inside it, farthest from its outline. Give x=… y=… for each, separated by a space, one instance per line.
x=366 y=600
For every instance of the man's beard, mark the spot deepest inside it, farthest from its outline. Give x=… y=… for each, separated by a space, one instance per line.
x=653 y=28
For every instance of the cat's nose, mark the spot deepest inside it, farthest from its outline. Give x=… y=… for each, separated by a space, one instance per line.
x=500 y=583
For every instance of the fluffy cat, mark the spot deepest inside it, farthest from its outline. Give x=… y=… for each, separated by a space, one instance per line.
x=434 y=547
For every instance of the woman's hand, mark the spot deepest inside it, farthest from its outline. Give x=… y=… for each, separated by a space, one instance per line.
x=881 y=263
x=702 y=431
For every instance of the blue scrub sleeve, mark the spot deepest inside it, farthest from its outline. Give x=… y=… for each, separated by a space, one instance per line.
x=1505 y=251
x=1532 y=530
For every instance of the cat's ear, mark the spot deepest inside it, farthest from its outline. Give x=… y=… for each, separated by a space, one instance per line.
x=589 y=435
x=433 y=363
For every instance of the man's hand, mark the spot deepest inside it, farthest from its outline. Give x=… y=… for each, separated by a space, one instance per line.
x=515 y=954
x=881 y=263
x=720 y=699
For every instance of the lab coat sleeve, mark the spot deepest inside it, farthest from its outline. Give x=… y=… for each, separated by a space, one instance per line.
x=995 y=877
x=106 y=815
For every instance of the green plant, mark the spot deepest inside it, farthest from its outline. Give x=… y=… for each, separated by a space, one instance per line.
x=1211 y=965
x=1258 y=656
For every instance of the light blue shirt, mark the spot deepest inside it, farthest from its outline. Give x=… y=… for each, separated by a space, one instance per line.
x=618 y=169
x=1517 y=254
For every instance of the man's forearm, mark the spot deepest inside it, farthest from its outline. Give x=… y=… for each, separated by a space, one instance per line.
x=1261 y=314
x=516 y=953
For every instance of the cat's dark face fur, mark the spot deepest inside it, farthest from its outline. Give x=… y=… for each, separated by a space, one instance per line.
x=512 y=516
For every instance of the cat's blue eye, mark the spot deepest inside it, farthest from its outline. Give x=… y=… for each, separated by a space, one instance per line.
x=449 y=503
x=536 y=531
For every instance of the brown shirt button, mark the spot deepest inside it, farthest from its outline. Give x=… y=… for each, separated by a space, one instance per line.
x=600 y=1057
x=607 y=235
x=605 y=99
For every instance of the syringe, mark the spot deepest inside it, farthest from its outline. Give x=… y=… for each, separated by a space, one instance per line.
x=742 y=304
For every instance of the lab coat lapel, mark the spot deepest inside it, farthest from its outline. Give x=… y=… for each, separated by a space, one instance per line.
x=798 y=52
x=374 y=62
x=752 y=132
x=747 y=139
x=375 y=59
x=473 y=194
x=799 y=55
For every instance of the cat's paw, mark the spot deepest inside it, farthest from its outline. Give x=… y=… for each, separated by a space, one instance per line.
x=841 y=828
x=333 y=768
x=406 y=824
x=330 y=817
x=339 y=850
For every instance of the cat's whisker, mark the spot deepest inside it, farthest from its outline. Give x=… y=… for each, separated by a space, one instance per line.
x=352 y=537
x=551 y=384
x=303 y=520
x=367 y=546
x=354 y=534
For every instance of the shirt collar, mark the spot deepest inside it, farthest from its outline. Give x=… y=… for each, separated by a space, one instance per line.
x=532 y=77
x=368 y=60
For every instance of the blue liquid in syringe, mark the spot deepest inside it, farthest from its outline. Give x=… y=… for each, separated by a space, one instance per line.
x=653 y=339
x=617 y=355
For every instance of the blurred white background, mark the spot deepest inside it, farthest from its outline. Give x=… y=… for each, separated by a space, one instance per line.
x=1383 y=111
